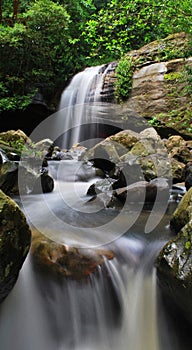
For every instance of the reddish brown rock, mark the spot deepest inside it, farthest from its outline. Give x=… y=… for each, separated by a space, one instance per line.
x=65 y=261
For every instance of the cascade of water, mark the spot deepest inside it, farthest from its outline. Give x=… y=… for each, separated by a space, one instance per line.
x=85 y=88
x=114 y=309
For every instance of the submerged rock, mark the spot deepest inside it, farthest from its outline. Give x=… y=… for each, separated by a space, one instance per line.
x=65 y=261
x=15 y=239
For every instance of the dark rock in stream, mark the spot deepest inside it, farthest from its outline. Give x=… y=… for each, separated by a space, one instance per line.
x=174 y=263
x=15 y=239
x=188 y=176
x=138 y=192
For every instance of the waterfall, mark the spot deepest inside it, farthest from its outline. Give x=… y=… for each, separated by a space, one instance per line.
x=78 y=100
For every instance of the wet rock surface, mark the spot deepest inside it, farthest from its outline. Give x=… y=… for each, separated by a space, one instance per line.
x=23 y=165
x=174 y=263
x=64 y=261
x=15 y=239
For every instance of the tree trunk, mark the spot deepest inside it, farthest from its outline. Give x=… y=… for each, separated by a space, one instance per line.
x=1 y=10
x=15 y=8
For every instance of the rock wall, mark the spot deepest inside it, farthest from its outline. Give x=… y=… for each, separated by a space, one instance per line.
x=160 y=90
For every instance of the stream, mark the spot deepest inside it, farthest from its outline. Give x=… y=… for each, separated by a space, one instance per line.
x=117 y=307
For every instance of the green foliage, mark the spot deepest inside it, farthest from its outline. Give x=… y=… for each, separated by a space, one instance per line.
x=154 y=122
x=39 y=51
x=124 y=73
x=188 y=79
x=124 y=25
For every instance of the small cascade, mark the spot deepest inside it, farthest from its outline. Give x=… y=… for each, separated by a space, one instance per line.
x=115 y=308
x=78 y=100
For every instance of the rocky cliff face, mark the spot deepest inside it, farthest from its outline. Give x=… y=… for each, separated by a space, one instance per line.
x=161 y=84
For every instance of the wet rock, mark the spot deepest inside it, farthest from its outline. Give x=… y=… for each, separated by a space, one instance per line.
x=178 y=170
x=31 y=180
x=174 y=263
x=101 y=186
x=145 y=192
x=8 y=177
x=15 y=239
x=3 y=157
x=141 y=192
x=182 y=214
x=64 y=261
x=45 y=146
x=188 y=176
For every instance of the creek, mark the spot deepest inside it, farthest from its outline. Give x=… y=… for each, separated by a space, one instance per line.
x=119 y=306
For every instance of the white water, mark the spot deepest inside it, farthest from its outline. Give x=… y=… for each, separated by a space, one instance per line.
x=104 y=313
x=116 y=308
x=85 y=88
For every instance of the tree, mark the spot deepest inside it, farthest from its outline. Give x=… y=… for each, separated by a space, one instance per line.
x=124 y=25
x=39 y=51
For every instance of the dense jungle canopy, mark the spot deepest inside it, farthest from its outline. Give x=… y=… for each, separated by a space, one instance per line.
x=44 y=42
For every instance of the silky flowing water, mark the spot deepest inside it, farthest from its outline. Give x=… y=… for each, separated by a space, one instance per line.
x=115 y=308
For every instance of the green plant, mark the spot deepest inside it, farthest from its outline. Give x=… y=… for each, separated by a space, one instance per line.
x=154 y=122
x=123 y=85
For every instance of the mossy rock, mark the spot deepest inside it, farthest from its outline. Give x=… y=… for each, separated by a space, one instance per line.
x=182 y=214
x=174 y=263
x=15 y=239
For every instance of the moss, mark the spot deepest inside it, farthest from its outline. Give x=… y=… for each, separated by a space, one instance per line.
x=188 y=245
x=173 y=76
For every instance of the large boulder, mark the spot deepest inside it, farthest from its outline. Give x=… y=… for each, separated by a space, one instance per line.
x=63 y=261
x=174 y=263
x=15 y=239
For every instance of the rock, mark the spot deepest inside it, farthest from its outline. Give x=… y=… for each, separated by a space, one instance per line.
x=106 y=150
x=14 y=137
x=127 y=174
x=188 y=176
x=8 y=177
x=141 y=192
x=3 y=157
x=145 y=192
x=174 y=263
x=126 y=138
x=182 y=154
x=182 y=214
x=64 y=261
x=44 y=184
x=45 y=146
x=33 y=180
x=103 y=156
x=174 y=141
x=15 y=239
x=178 y=170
